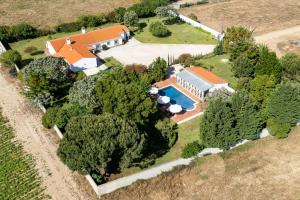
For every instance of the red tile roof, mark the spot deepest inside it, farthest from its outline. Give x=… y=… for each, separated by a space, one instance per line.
x=79 y=47
x=206 y=75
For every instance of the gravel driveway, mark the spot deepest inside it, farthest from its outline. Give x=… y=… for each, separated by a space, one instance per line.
x=137 y=52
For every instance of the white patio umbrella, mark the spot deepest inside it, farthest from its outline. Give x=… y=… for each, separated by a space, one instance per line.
x=175 y=108
x=153 y=90
x=163 y=99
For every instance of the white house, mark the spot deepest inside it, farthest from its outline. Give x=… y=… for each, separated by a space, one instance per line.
x=200 y=81
x=78 y=50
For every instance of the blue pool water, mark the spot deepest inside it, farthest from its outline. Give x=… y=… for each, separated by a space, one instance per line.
x=177 y=97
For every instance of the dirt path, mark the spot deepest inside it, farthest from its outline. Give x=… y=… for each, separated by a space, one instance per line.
x=276 y=38
x=60 y=182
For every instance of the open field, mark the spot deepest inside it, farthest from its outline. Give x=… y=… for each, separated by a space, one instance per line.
x=264 y=169
x=262 y=15
x=18 y=177
x=283 y=41
x=181 y=34
x=46 y=14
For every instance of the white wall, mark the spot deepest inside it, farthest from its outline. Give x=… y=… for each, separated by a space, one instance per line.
x=84 y=63
x=50 y=48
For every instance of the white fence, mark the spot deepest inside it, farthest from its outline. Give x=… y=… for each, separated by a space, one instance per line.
x=194 y=23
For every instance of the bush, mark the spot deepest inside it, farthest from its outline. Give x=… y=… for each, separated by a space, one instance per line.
x=193 y=17
x=185 y=59
x=30 y=49
x=172 y=20
x=68 y=27
x=158 y=29
x=117 y=15
x=278 y=128
x=105 y=47
x=131 y=18
x=49 y=117
x=23 y=31
x=168 y=131
x=138 y=68
x=219 y=49
x=92 y=20
x=10 y=58
x=191 y=149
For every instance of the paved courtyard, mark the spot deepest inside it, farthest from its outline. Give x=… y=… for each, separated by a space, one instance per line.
x=140 y=53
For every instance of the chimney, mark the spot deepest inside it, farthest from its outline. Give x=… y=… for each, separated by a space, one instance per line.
x=83 y=31
x=68 y=41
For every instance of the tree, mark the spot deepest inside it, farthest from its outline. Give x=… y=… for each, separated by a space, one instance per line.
x=10 y=58
x=49 y=117
x=242 y=67
x=125 y=94
x=47 y=77
x=83 y=93
x=217 y=125
x=168 y=130
x=100 y=144
x=268 y=64
x=291 y=67
x=278 y=128
x=158 y=29
x=248 y=118
x=158 y=69
x=235 y=35
x=261 y=87
x=284 y=104
x=23 y=31
x=219 y=49
x=131 y=18
x=117 y=15
x=165 y=11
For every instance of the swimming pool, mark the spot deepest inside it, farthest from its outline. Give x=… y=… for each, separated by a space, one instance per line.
x=177 y=97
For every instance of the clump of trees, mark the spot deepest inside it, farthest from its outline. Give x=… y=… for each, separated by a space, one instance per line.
x=101 y=144
x=48 y=79
x=158 y=29
x=228 y=120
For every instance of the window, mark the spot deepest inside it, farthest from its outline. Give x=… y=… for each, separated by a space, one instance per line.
x=116 y=42
x=108 y=43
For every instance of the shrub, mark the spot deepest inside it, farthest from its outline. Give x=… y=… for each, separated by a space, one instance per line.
x=138 y=68
x=68 y=27
x=10 y=58
x=158 y=29
x=30 y=49
x=172 y=20
x=168 y=130
x=117 y=15
x=105 y=47
x=92 y=20
x=193 y=17
x=185 y=59
x=48 y=119
x=23 y=31
x=219 y=49
x=131 y=18
x=278 y=128
x=164 y=11
x=191 y=149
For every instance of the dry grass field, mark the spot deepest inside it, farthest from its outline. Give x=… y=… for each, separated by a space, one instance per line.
x=262 y=15
x=264 y=169
x=46 y=13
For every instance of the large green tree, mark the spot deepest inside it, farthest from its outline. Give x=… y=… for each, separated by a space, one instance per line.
x=131 y=18
x=100 y=144
x=125 y=94
x=158 y=69
x=284 y=104
x=217 y=125
x=261 y=87
x=268 y=64
x=291 y=67
x=47 y=77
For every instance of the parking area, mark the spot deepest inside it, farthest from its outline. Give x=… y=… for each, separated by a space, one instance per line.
x=141 y=53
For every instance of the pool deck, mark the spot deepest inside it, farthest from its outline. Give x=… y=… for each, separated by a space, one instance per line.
x=187 y=115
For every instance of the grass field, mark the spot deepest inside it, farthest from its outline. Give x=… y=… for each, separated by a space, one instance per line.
x=181 y=34
x=18 y=177
x=46 y=14
x=221 y=67
x=261 y=15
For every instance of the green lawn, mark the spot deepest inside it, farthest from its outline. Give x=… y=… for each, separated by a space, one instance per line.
x=112 y=62
x=40 y=43
x=187 y=132
x=221 y=68
x=181 y=34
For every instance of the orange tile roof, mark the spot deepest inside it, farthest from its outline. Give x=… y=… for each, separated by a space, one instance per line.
x=206 y=75
x=79 y=47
